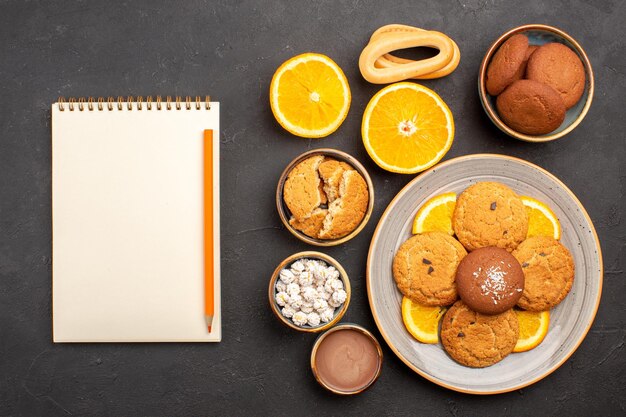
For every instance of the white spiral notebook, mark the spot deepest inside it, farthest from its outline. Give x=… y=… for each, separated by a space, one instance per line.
x=128 y=218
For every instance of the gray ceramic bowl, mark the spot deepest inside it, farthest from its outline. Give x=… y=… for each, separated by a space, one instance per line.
x=569 y=321
x=539 y=35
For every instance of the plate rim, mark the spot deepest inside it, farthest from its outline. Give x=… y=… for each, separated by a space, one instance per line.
x=393 y=202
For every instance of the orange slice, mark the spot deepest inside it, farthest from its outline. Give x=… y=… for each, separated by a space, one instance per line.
x=422 y=321
x=541 y=220
x=436 y=215
x=407 y=128
x=533 y=327
x=309 y=95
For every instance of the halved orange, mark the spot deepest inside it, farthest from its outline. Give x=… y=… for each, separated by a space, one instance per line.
x=310 y=95
x=407 y=128
x=541 y=219
x=435 y=215
x=422 y=321
x=533 y=327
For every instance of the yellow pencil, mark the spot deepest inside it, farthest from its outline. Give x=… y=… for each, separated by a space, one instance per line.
x=209 y=297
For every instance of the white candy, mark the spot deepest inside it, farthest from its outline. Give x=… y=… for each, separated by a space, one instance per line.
x=282 y=299
x=306 y=307
x=320 y=304
x=295 y=301
x=311 y=264
x=336 y=284
x=332 y=303
x=281 y=286
x=293 y=289
x=299 y=318
x=313 y=319
x=323 y=294
x=327 y=315
x=332 y=272
x=309 y=293
x=319 y=281
x=288 y=311
x=333 y=284
x=305 y=279
x=298 y=266
x=339 y=296
x=287 y=276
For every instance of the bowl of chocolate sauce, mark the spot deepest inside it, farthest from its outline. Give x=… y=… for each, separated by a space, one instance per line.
x=347 y=359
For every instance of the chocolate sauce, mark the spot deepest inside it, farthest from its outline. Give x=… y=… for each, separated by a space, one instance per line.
x=347 y=360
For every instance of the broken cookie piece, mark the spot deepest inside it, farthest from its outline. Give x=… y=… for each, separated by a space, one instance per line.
x=301 y=192
x=331 y=172
x=346 y=212
x=312 y=224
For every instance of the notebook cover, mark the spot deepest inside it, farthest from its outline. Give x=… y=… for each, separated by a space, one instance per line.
x=127 y=202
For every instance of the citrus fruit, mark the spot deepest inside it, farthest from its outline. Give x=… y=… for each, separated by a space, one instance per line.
x=407 y=128
x=541 y=220
x=533 y=327
x=422 y=321
x=435 y=215
x=309 y=95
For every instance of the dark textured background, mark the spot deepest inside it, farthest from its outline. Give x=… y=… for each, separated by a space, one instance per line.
x=230 y=50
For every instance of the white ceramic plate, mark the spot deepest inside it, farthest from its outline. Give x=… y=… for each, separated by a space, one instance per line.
x=569 y=321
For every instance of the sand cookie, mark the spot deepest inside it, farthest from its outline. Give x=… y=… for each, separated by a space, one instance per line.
x=478 y=340
x=312 y=224
x=531 y=107
x=549 y=272
x=506 y=64
x=379 y=67
x=489 y=214
x=424 y=268
x=347 y=210
x=301 y=191
x=327 y=198
x=389 y=60
x=556 y=65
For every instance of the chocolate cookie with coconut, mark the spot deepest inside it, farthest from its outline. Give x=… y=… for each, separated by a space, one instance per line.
x=490 y=280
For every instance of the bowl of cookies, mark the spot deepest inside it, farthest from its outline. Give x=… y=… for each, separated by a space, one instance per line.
x=324 y=197
x=536 y=83
x=309 y=291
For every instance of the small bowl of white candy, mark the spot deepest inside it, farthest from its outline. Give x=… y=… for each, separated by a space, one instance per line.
x=309 y=291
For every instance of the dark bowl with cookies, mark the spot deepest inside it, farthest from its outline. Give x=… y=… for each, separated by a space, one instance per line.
x=324 y=197
x=536 y=83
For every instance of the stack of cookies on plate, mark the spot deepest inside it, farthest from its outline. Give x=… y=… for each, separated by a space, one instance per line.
x=491 y=265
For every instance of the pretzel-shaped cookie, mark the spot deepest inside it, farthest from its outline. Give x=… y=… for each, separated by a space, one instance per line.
x=389 y=60
x=378 y=66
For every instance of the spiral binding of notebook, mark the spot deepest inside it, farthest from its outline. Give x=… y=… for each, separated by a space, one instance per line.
x=112 y=103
